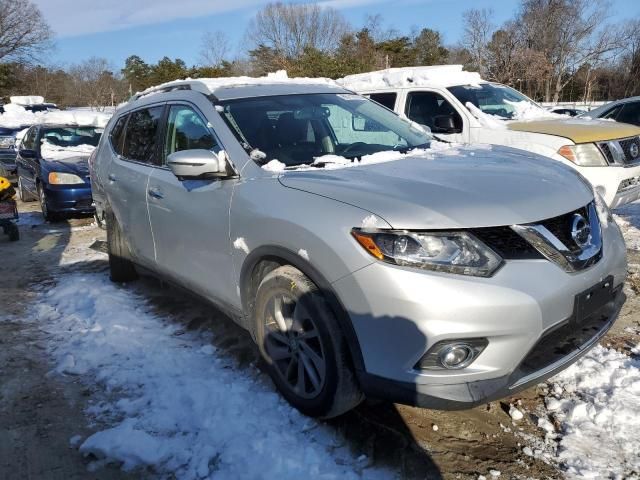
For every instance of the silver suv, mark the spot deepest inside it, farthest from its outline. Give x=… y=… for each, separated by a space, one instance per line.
x=363 y=256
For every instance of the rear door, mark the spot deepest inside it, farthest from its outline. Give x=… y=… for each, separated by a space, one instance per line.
x=137 y=153
x=190 y=218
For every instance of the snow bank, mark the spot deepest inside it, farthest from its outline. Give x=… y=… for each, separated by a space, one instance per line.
x=49 y=151
x=442 y=75
x=596 y=402
x=212 y=84
x=16 y=116
x=174 y=402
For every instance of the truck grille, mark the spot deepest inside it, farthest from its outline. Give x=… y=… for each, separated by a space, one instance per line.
x=621 y=152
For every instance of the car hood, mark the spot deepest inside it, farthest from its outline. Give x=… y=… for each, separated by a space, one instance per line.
x=475 y=187
x=578 y=130
x=77 y=165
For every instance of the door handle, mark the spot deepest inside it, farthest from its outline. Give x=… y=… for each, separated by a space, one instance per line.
x=112 y=177
x=155 y=193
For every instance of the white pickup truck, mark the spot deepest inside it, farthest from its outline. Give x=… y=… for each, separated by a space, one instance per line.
x=460 y=106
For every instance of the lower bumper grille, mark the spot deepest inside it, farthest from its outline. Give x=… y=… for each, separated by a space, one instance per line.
x=567 y=340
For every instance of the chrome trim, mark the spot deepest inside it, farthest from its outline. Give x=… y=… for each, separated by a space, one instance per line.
x=554 y=250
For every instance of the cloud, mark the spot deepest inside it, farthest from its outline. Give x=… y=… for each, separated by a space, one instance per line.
x=71 y=18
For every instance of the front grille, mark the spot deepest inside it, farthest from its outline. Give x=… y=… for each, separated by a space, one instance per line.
x=561 y=227
x=507 y=243
x=566 y=340
x=620 y=152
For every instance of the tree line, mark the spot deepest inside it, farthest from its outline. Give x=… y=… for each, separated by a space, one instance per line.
x=552 y=50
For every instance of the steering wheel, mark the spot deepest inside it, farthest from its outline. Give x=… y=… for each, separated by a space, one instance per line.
x=352 y=146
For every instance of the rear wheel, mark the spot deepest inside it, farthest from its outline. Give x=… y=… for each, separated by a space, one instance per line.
x=302 y=344
x=121 y=268
x=14 y=233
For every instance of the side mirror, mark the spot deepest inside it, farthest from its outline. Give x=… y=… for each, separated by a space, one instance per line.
x=197 y=164
x=445 y=124
x=27 y=153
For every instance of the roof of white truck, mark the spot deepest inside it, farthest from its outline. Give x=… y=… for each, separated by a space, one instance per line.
x=441 y=75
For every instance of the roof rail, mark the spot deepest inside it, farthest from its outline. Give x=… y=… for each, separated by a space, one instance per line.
x=194 y=85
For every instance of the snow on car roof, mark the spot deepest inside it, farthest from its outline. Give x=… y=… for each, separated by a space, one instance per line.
x=16 y=116
x=213 y=85
x=27 y=100
x=444 y=75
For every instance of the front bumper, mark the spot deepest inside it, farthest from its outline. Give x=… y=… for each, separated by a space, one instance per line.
x=69 y=198
x=398 y=314
x=618 y=185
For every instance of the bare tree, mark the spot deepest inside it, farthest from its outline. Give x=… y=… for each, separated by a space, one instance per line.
x=287 y=30
x=24 y=34
x=569 y=33
x=93 y=83
x=478 y=30
x=215 y=48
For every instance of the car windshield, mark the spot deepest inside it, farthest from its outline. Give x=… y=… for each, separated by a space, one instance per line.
x=72 y=136
x=493 y=99
x=296 y=129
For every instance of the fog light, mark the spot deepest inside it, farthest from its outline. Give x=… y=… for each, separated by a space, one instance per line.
x=452 y=354
x=455 y=356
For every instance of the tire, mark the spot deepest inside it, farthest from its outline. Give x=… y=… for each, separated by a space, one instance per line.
x=14 y=233
x=100 y=220
x=23 y=195
x=121 y=268
x=48 y=215
x=309 y=360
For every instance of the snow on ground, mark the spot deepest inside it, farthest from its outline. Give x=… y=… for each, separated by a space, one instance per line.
x=174 y=402
x=628 y=217
x=596 y=402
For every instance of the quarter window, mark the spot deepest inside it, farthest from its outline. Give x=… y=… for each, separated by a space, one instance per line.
x=388 y=99
x=141 y=134
x=117 y=134
x=186 y=130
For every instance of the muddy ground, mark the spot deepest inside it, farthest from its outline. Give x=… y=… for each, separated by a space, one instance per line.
x=40 y=411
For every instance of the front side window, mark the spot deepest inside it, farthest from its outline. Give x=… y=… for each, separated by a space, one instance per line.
x=186 y=130
x=141 y=134
x=428 y=108
x=29 y=140
x=296 y=129
x=494 y=99
x=613 y=113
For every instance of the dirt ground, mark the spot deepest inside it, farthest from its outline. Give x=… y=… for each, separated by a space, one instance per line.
x=40 y=411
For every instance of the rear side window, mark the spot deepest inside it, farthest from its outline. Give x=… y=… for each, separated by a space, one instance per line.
x=141 y=135
x=117 y=134
x=388 y=99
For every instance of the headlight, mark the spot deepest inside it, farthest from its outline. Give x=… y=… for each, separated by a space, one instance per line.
x=59 y=178
x=451 y=252
x=584 y=155
x=6 y=142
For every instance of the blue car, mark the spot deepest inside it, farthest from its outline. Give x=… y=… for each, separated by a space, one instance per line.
x=52 y=168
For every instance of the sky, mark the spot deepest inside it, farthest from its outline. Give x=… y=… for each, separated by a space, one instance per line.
x=116 y=29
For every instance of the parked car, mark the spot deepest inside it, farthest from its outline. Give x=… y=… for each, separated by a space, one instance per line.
x=571 y=112
x=363 y=256
x=52 y=168
x=460 y=106
x=8 y=152
x=626 y=110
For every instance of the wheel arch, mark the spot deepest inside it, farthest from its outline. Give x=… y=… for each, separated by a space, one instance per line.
x=264 y=259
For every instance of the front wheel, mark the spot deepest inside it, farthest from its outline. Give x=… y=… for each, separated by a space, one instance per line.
x=48 y=215
x=23 y=195
x=303 y=346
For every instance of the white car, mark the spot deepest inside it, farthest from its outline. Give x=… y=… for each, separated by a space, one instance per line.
x=460 y=106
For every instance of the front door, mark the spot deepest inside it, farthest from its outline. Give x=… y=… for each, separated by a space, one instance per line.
x=190 y=218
